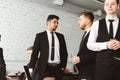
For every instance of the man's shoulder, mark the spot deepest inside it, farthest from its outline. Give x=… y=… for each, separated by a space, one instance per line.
x=1 y=49
x=102 y=19
x=58 y=33
x=41 y=33
x=45 y=32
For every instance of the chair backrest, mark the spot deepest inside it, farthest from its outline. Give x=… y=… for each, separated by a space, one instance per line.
x=76 y=71
x=27 y=72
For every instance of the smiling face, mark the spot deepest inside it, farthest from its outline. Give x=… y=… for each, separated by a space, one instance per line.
x=111 y=7
x=52 y=24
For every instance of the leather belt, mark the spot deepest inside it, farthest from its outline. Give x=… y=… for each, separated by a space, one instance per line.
x=53 y=64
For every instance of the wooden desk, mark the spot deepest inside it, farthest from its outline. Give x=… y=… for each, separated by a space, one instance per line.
x=14 y=77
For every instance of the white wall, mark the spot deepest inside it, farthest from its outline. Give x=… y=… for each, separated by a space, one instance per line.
x=20 y=20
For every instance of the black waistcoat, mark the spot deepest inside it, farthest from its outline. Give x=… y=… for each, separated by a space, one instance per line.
x=103 y=36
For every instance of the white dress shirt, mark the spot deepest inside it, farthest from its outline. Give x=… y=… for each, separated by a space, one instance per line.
x=98 y=46
x=87 y=31
x=57 y=54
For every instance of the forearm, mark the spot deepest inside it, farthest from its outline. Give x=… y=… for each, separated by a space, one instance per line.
x=96 y=46
x=113 y=44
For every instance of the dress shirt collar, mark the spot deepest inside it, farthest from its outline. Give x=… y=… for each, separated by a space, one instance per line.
x=88 y=30
x=115 y=18
x=50 y=32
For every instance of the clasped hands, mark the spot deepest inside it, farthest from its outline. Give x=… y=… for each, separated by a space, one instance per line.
x=113 y=44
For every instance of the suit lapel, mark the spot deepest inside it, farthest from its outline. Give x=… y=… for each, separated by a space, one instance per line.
x=84 y=38
x=45 y=41
x=117 y=33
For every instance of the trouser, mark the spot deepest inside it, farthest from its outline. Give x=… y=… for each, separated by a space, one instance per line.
x=107 y=67
x=51 y=71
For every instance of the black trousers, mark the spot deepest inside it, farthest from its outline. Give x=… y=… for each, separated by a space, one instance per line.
x=51 y=71
x=107 y=67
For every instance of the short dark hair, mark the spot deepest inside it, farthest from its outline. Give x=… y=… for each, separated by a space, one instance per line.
x=116 y=1
x=87 y=14
x=50 y=17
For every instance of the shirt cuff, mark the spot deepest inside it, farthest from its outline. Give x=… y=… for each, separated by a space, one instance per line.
x=30 y=70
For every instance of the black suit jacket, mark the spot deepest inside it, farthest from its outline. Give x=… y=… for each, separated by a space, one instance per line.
x=2 y=66
x=41 y=47
x=87 y=59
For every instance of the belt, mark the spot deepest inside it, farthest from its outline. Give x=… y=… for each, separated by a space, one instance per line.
x=53 y=64
x=109 y=50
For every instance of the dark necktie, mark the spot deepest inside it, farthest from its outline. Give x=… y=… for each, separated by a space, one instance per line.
x=111 y=29
x=52 y=47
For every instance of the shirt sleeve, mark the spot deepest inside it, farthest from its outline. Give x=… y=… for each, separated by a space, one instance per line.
x=92 y=44
x=30 y=70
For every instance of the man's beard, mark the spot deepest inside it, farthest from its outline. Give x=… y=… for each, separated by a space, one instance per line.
x=83 y=27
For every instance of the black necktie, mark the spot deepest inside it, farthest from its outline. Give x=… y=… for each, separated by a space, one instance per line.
x=111 y=29
x=52 y=47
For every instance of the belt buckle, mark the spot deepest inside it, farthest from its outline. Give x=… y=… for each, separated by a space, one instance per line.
x=53 y=64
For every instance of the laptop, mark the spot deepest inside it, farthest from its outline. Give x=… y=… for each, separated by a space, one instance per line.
x=27 y=72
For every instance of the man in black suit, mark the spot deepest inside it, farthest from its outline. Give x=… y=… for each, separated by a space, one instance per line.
x=85 y=58
x=45 y=68
x=2 y=66
x=105 y=39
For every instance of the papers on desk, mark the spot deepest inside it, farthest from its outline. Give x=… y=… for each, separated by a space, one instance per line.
x=83 y=79
x=11 y=74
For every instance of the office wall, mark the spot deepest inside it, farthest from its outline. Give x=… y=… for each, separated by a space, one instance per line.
x=20 y=20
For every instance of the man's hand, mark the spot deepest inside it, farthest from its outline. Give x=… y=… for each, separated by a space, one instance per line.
x=113 y=44
x=75 y=60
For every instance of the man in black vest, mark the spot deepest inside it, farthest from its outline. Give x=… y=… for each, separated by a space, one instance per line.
x=105 y=38
x=85 y=58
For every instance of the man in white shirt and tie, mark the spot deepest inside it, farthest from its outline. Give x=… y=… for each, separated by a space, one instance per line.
x=107 y=42
x=49 y=56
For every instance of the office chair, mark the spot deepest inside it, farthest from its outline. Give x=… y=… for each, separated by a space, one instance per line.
x=27 y=72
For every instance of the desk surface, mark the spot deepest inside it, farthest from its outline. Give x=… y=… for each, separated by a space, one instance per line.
x=14 y=76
